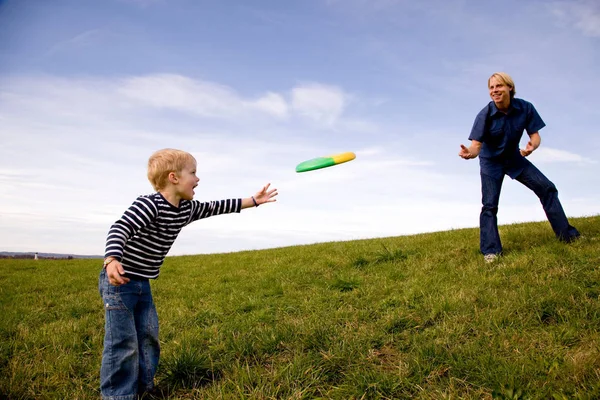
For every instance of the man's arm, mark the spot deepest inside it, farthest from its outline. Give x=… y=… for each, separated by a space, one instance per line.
x=534 y=142
x=470 y=152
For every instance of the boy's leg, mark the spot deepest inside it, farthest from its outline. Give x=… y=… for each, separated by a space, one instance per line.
x=548 y=195
x=489 y=237
x=146 y=321
x=120 y=361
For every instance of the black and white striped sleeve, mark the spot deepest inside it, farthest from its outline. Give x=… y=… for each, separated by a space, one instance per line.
x=139 y=215
x=211 y=208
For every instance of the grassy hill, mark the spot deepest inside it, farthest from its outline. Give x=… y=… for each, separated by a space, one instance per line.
x=402 y=317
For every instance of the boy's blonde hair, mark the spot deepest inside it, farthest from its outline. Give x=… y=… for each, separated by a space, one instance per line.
x=505 y=79
x=165 y=161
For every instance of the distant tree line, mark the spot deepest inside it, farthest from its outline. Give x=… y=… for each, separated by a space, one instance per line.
x=32 y=257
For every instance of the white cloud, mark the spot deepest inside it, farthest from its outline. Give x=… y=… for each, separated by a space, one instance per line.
x=318 y=102
x=549 y=155
x=101 y=102
x=271 y=103
x=582 y=14
x=184 y=94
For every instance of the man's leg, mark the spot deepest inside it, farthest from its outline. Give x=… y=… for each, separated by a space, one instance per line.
x=548 y=195
x=488 y=219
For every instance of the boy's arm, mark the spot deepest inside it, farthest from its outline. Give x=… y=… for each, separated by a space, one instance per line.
x=115 y=271
x=261 y=197
x=141 y=213
x=208 y=209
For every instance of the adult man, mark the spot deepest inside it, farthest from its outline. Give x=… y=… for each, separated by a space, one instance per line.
x=495 y=138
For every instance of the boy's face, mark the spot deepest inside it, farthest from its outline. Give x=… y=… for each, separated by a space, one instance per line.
x=187 y=181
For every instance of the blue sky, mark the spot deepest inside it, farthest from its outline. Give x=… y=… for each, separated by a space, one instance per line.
x=89 y=89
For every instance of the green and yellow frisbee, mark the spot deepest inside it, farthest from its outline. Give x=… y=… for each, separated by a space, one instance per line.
x=324 y=162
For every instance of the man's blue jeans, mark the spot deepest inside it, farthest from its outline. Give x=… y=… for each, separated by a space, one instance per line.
x=131 y=347
x=544 y=190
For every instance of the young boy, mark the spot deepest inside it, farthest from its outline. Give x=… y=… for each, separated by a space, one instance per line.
x=135 y=249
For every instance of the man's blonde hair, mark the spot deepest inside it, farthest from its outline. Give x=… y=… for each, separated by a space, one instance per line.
x=165 y=161
x=505 y=79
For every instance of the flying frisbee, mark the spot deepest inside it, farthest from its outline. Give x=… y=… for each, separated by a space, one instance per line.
x=324 y=162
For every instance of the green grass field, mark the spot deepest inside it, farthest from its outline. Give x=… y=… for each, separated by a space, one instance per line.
x=395 y=318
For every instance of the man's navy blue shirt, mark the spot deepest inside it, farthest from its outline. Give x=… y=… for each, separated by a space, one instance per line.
x=500 y=135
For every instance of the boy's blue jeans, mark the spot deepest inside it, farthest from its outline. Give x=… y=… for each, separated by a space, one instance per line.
x=131 y=347
x=545 y=190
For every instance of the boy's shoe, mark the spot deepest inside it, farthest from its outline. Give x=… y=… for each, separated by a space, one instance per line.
x=490 y=258
x=152 y=394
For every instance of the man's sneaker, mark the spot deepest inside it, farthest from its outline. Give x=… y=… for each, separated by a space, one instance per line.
x=490 y=258
x=572 y=239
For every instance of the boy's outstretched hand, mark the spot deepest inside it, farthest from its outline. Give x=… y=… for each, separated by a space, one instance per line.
x=265 y=195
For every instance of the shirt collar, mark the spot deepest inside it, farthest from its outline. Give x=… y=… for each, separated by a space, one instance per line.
x=513 y=105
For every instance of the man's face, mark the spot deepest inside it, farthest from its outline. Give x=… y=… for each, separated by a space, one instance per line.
x=500 y=93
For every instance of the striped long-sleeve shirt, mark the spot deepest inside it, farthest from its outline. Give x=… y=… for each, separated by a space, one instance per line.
x=143 y=236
